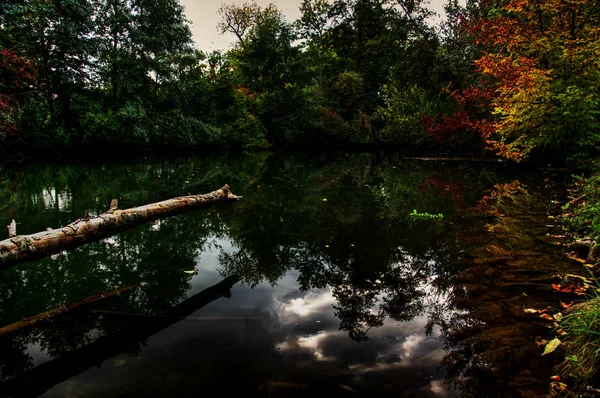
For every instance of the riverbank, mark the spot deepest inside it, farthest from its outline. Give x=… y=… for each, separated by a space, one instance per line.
x=578 y=373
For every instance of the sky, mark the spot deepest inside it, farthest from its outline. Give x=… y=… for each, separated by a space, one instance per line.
x=204 y=18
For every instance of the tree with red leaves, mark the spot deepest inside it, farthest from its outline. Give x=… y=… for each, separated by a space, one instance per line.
x=17 y=81
x=539 y=78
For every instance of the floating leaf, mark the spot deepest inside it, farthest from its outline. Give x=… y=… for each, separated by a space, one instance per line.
x=348 y=388
x=555 y=378
x=118 y=362
x=540 y=342
x=324 y=199
x=190 y=272
x=531 y=310
x=551 y=346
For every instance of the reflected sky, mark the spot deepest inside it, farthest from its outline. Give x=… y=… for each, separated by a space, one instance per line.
x=269 y=340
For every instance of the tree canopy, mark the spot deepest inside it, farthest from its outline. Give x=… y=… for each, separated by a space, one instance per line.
x=514 y=77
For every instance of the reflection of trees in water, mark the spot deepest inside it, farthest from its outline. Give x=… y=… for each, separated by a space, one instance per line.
x=153 y=255
x=490 y=339
x=360 y=241
x=156 y=259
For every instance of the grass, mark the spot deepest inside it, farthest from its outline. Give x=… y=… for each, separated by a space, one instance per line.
x=582 y=346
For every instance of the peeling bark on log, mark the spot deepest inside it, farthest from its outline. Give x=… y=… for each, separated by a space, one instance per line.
x=19 y=249
x=12 y=229
x=13 y=327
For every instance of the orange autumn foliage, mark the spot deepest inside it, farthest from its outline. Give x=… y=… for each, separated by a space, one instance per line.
x=538 y=76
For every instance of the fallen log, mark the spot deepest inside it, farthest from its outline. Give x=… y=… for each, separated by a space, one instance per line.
x=23 y=248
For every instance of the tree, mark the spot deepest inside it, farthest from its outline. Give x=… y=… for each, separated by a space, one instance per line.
x=17 y=83
x=538 y=61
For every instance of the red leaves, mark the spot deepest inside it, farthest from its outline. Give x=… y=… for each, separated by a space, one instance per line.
x=578 y=289
x=17 y=72
x=17 y=77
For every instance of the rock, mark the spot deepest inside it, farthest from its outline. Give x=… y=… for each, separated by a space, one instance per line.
x=582 y=246
x=594 y=254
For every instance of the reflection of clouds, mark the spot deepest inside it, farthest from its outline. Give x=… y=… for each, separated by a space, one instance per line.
x=410 y=345
x=293 y=338
x=313 y=302
x=436 y=388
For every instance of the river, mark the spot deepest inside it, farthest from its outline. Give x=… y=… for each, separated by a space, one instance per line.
x=356 y=274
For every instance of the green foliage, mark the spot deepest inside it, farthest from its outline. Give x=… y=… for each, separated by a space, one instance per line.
x=401 y=115
x=585 y=215
x=581 y=345
x=426 y=216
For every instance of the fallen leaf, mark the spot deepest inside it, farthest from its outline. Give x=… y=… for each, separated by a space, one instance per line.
x=555 y=378
x=563 y=289
x=547 y=317
x=565 y=305
x=581 y=260
x=118 y=362
x=561 y=332
x=540 y=342
x=559 y=386
x=324 y=199
x=583 y=278
x=558 y=316
x=348 y=388
x=531 y=311
x=551 y=346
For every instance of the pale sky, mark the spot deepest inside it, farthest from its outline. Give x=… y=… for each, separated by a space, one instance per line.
x=204 y=17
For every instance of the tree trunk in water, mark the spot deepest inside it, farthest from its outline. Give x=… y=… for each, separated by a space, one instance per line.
x=131 y=337
x=19 y=249
x=13 y=327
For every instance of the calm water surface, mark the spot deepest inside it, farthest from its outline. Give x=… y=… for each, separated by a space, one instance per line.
x=318 y=282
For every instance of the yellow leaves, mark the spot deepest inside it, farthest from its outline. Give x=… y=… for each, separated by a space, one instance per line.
x=551 y=346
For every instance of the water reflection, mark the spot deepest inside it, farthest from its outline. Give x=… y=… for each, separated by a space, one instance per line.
x=327 y=254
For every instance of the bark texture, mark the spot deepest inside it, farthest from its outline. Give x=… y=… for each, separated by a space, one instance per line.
x=23 y=248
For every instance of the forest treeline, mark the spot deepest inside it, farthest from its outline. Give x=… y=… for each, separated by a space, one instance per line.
x=511 y=77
